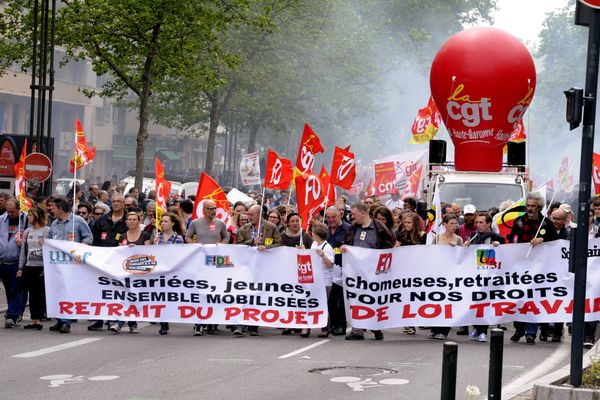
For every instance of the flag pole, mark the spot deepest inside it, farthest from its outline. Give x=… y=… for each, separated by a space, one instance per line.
x=326 y=200
x=74 y=181
x=551 y=201
x=262 y=201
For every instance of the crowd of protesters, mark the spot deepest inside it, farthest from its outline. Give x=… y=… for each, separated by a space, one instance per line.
x=102 y=215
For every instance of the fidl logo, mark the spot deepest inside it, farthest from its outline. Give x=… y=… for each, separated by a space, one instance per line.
x=486 y=259
x=218 y=261
x=61 y=257
x=384 y=265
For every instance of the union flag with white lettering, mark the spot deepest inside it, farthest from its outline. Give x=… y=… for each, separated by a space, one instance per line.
x=343 y=168
x=279 y=172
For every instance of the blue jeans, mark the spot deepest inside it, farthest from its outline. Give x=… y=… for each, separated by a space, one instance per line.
x=13 y=289
x=527 y=328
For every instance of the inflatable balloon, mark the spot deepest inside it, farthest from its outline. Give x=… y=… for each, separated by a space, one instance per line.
x=482 y=80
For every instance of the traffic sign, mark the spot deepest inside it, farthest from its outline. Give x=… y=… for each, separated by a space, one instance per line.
x=38 y=167
x=591 y=3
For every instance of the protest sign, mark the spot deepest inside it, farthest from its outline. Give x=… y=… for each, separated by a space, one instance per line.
x=224 y=284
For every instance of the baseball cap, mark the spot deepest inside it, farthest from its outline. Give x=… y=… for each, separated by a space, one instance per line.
x=469 y=209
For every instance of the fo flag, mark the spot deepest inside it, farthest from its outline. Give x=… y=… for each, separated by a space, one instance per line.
x=596 y=173
x=329 y=187
x=310 y=194
x=310 y=145
x=83 y=155
x=208 y=189
x=279 y=172
x=426 y=124
x=343 y=168
x=163 y=189
x=24 y=202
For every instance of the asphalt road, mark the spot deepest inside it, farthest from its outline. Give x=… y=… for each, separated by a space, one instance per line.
x=104 y=365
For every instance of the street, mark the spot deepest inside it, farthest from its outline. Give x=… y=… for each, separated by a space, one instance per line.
x=100 y=365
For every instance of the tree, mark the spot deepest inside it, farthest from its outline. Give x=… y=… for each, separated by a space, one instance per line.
x=138 y=43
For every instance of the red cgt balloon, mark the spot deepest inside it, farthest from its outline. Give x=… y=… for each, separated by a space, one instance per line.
x=482 y=80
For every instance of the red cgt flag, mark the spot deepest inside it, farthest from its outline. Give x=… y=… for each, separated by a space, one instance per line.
x=370 y=190
x=426 y=124
x=343 y=168
x=208 y=189
x=279 y=172
x=163 y=190
x=518 y=135
x=20 y=190
x=310 y=194
x=83 y=155
x=310 y=145
x=330 y=195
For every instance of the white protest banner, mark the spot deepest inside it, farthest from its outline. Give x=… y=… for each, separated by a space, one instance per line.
x=401 y=172
x=224 y=284
x=250 y=169
x=479 y=285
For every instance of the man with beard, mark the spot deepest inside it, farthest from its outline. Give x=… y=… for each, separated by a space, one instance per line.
x=532 y=228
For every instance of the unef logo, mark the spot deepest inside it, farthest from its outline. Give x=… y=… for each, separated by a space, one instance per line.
x=218 y=261
x=305 y=269
x=140 y=264
x=276 y=172
x=384 y=265
x=61 y=257
x=486 y=259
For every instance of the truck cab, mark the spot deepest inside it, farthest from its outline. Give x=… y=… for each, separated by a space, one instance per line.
x=482 y=189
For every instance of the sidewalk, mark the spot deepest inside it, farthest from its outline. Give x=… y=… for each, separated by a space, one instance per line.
x=554 y=376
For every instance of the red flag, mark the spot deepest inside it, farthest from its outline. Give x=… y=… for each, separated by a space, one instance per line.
x=279 y=172
x=20 y=189
x=385 y=178
x=330 y=195
x=163 y=190
x=343 y=168
x=426 y=124
x=596 y=173
x=310 y=145
x=370 y=189
x=208 y=189
x=518 y=135
x=82 y=155
x=310 y=194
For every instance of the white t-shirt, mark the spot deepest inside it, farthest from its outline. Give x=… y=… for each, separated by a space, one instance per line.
x=329 y=253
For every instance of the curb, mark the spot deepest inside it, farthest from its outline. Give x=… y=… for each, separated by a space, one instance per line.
x=556 y=376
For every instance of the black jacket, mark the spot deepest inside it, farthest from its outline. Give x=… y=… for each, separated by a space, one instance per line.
x=385 y=240
x=108 y=233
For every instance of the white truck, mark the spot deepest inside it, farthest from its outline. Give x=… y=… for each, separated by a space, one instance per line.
x=482 y=189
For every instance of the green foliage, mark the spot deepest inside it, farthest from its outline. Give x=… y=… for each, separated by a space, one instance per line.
x=591 y=375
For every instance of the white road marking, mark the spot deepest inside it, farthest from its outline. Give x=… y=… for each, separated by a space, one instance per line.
x=59 y=347
x=302 y=350
x=523 y=382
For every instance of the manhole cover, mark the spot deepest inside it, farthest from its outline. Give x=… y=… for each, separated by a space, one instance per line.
x=354 y=371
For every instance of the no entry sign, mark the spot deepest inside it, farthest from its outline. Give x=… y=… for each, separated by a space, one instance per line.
x=591 y=3
x=38 y=167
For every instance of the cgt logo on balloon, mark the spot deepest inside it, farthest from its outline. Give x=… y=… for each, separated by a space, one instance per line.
x=483 y=80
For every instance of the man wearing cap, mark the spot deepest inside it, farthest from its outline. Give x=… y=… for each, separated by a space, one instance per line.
x=466 y=230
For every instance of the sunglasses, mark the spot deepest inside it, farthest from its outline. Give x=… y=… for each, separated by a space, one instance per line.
x=98 y=213
x=81 y=213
